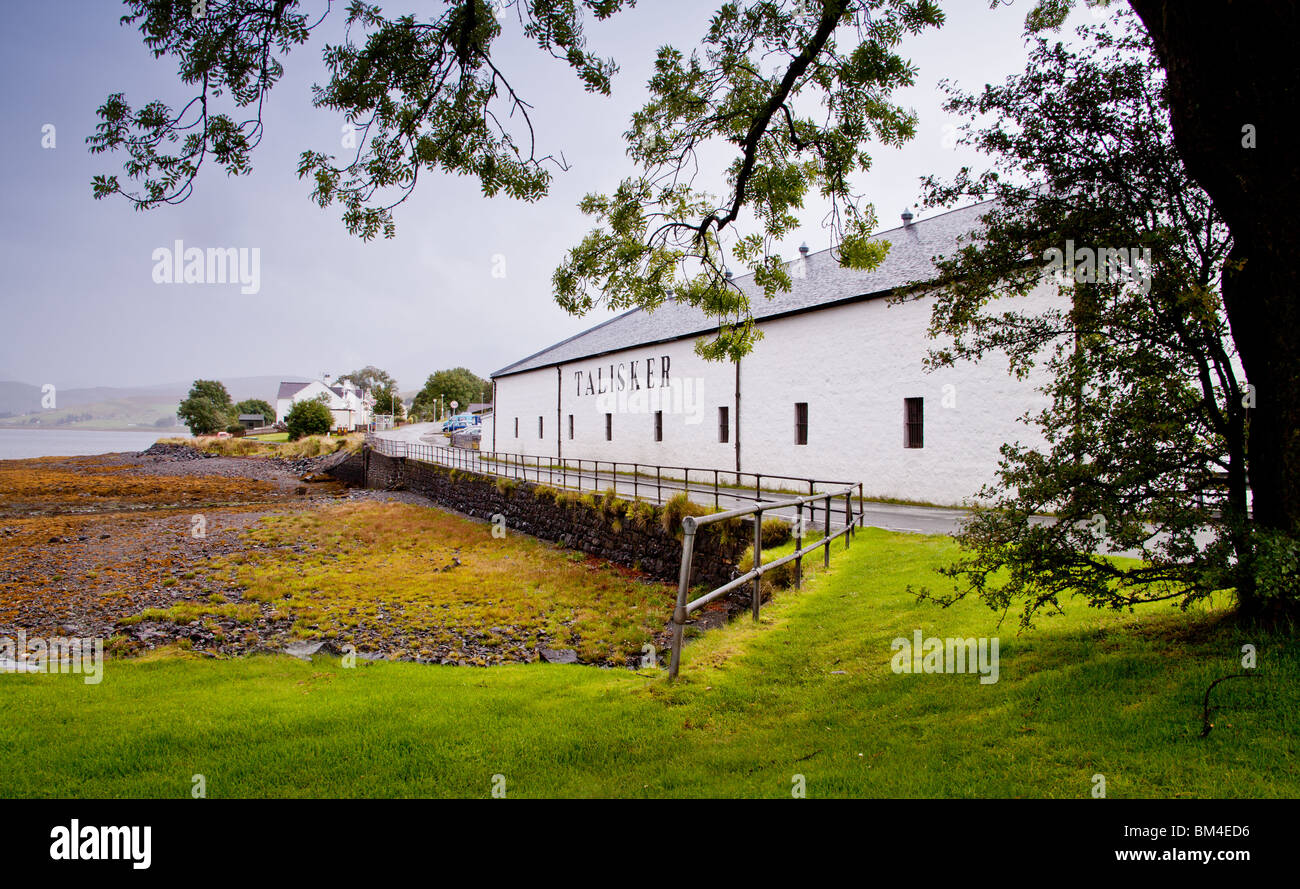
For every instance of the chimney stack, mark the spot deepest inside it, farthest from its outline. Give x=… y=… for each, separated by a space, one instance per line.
x=907 y=216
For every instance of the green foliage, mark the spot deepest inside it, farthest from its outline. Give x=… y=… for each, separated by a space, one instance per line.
x=796 y=90
x=1145 y=420
x=1276 y=568
x=308 y=417
x=370 y=378
x=256 y=406
x=424 y=92
x=658 y=236
x=388 y=401
x=459 y=384
x=208 y=408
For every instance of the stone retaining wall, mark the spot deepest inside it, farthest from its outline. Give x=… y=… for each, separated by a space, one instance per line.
x=631 y=534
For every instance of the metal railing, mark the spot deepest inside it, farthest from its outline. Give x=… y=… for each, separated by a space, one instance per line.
x=691 y=524
x=647 y=481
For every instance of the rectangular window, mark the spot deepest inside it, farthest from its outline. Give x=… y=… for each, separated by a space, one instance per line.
x=724 y=424
x=570 y=425
x=659 y=425
x=516 y=427
x=913 y=422
x=801 y=423
x=539 y=428
x=609 y=427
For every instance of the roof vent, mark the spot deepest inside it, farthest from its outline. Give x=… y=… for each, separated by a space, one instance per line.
x=907 y=217
x=803 y=248
x=726 y=271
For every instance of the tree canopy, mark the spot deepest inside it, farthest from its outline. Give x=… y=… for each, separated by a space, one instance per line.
x=208 y=408
x=308 y=417
x=458 y=384
x=1145 y=424
x=370 y=378
x=256 y=406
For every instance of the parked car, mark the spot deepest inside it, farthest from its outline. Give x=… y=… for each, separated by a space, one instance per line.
x=461 y=421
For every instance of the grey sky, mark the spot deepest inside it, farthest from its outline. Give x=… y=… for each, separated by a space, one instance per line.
x=81 y=308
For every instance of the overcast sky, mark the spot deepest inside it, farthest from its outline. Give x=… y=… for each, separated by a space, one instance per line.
x=81 y=307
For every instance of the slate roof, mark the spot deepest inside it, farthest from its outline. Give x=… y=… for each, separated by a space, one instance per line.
x=289 y=390
x=825 y=282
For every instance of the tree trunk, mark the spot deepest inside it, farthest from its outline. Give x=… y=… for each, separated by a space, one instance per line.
x=1231 y=72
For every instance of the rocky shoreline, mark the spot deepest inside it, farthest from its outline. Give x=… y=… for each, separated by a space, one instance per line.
x=119 y=546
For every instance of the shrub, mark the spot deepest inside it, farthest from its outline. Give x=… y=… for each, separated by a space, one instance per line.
x=308 y=417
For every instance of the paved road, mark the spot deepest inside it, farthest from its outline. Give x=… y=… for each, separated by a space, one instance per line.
x=893 y=517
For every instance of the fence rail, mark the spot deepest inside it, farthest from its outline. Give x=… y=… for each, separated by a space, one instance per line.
x=691 y=524
x=643 y=481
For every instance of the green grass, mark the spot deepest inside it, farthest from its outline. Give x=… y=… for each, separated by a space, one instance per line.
x=270 y=436
x=1088 y=693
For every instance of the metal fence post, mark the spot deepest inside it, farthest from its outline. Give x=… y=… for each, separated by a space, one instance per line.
x=826 y=540
x=715 y=489
x=798 y=545
x=848 y=519
x=758 y=560
x=659 y=484
x=683 y=586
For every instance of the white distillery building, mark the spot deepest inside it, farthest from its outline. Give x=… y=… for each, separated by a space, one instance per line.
x=835 y=390
x=350 y=408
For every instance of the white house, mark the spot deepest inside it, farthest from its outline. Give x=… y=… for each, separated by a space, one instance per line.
x=350 y=407
x=835 y=390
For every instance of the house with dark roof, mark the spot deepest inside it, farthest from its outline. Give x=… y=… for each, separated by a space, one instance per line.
x=350 y=408
x=835 y=389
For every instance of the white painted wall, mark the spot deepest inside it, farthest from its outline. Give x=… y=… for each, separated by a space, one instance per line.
x=348 y=411
x=852 y=364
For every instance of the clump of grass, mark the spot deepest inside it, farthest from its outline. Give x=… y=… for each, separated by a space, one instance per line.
x=642 y=514
x=775 y=532
x=184 y=612
x=677 y=508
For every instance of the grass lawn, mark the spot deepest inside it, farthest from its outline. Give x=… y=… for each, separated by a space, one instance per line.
x=270 y=436
x=1088 y=693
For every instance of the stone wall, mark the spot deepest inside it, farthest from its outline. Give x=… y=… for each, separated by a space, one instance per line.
x=623 y=532
x=351 y=471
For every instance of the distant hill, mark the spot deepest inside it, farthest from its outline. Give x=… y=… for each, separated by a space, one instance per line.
x=118 y=407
